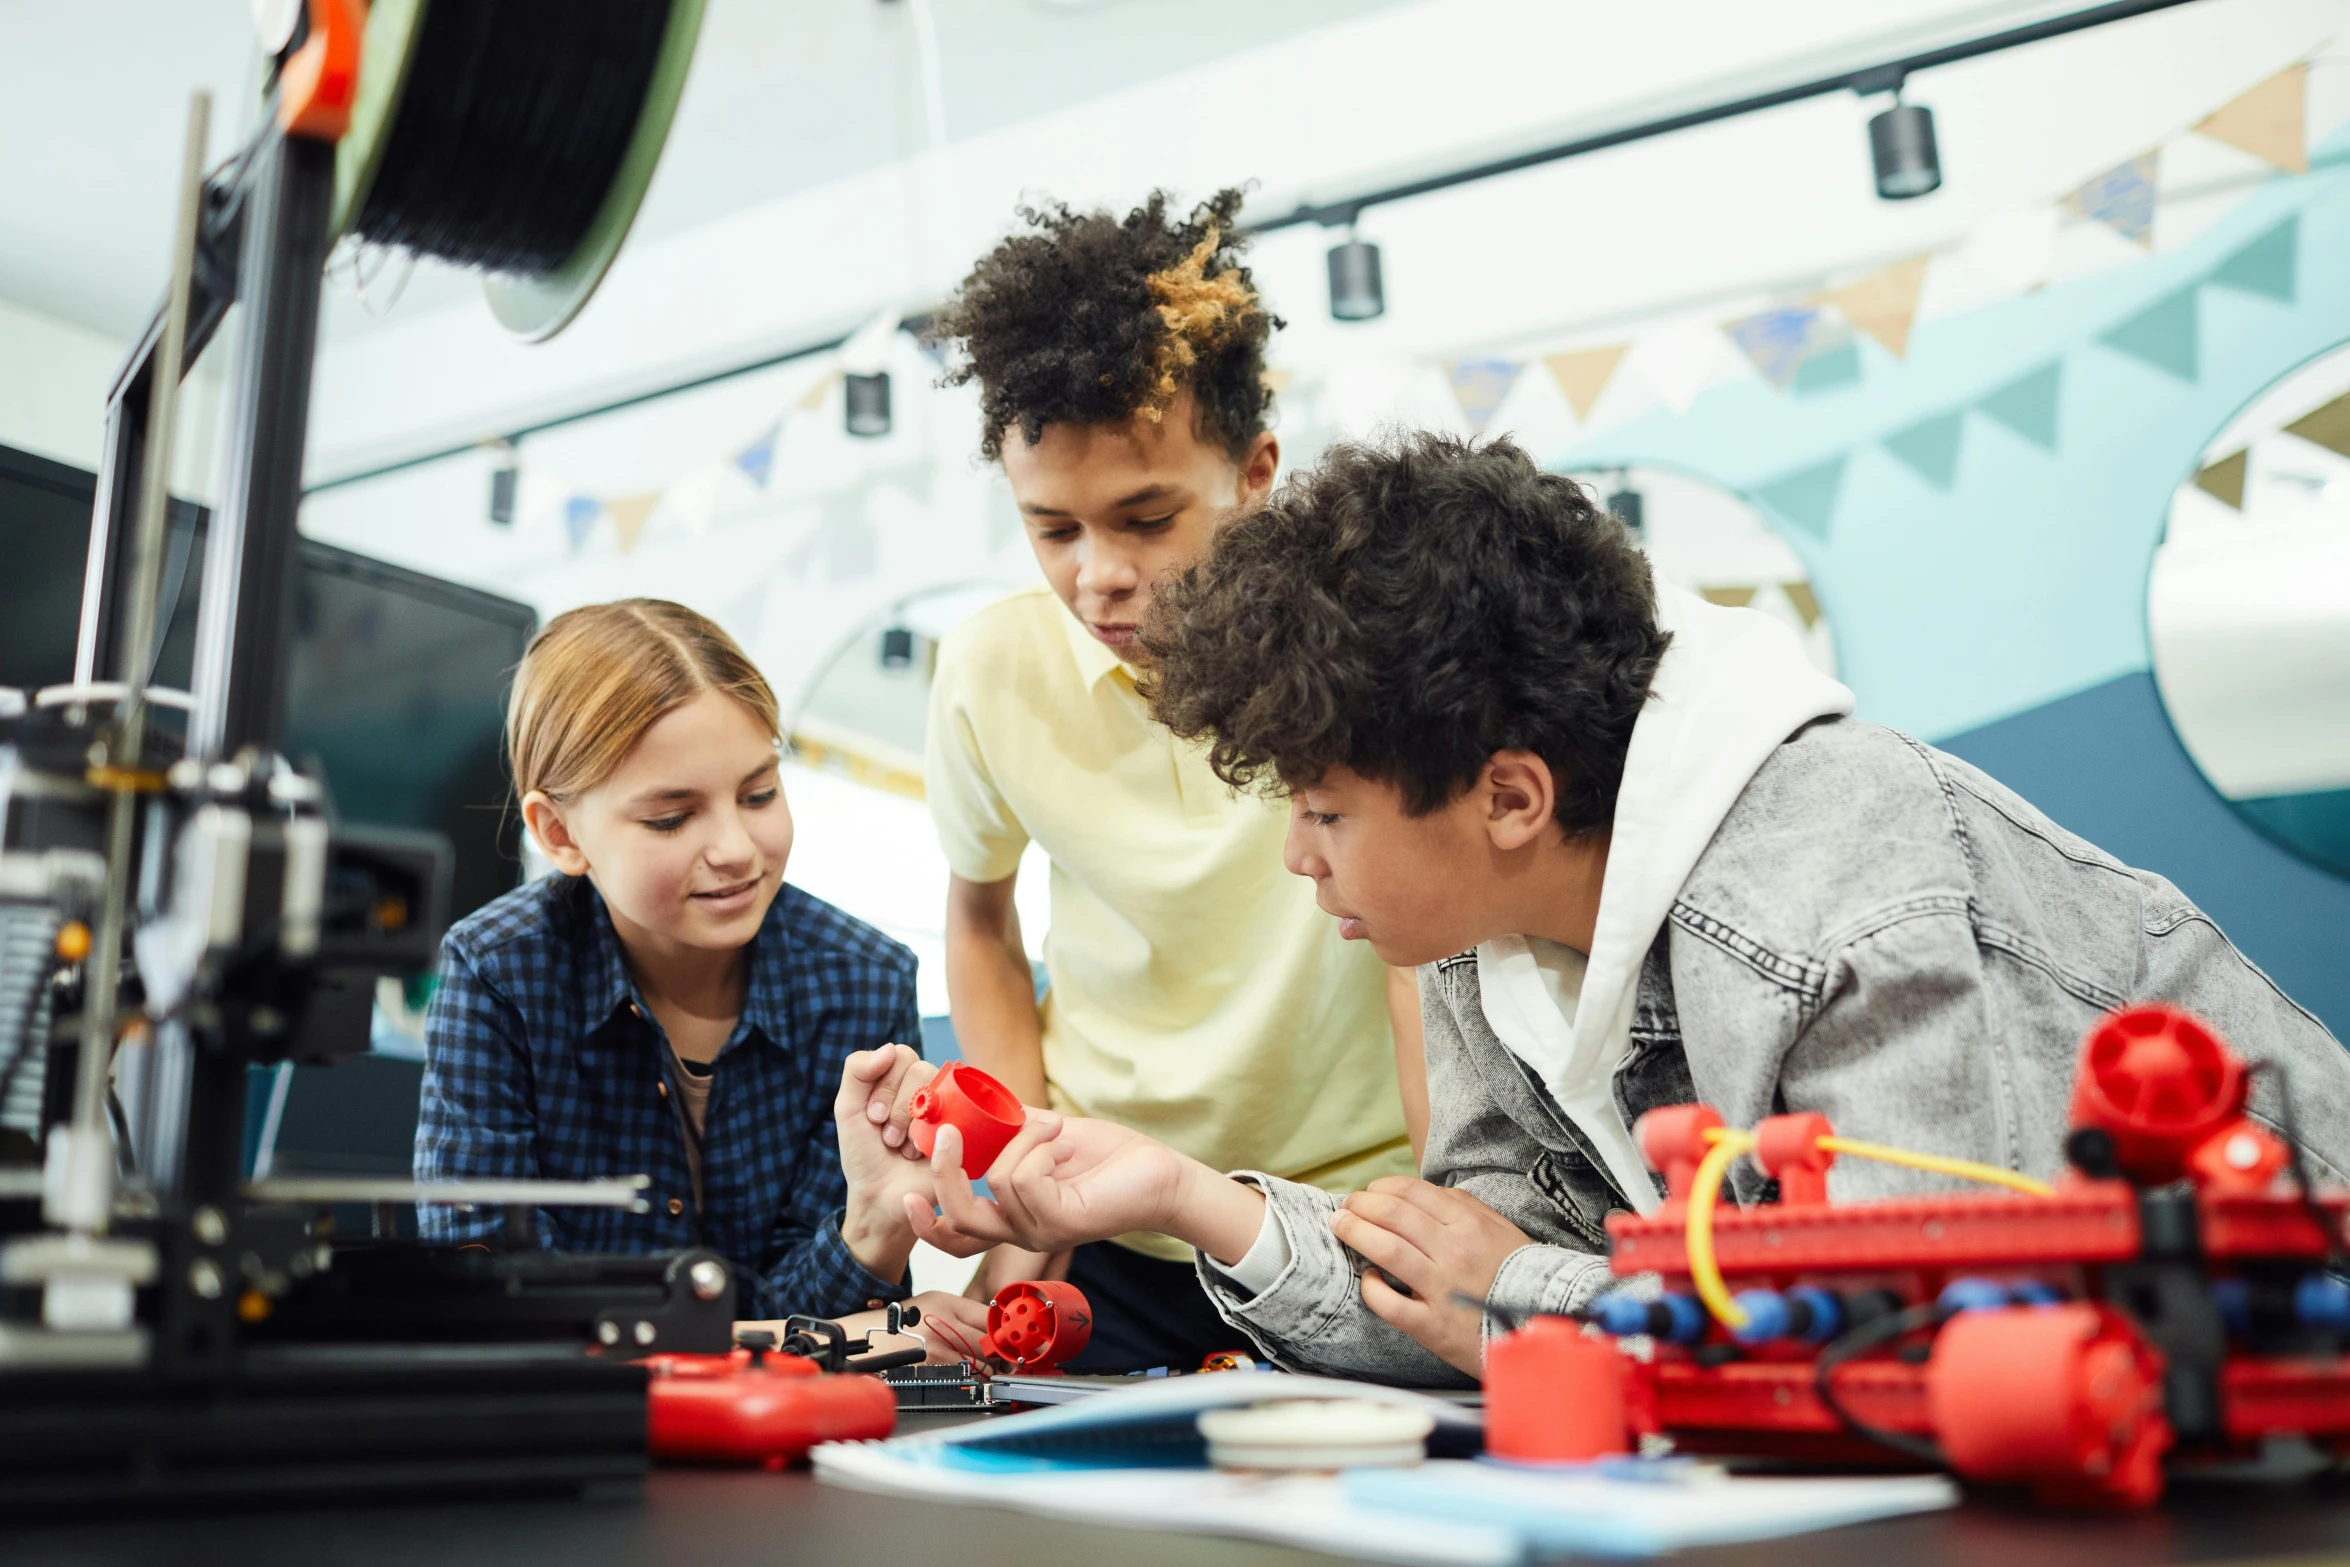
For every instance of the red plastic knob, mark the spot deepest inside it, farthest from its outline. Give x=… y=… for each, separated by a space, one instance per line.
x=987 y=1113
x=1788 y=1149
x=1672 y=1140
x=2157 y=1081
x=1553 y=1395
x=1037 y=1324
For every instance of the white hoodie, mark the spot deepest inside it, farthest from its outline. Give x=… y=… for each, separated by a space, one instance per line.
x=1730 y=688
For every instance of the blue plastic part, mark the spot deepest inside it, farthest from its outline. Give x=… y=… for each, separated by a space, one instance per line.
x=2031 y=1292
x=2233 y=1297
x=1688 y=1316
x=1766 y=1316
x=1973 y=1295
x=1623 y=1316
x=2322 y=1301
x=1827 y=1312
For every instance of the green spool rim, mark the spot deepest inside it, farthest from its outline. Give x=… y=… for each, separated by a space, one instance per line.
x=534 y=308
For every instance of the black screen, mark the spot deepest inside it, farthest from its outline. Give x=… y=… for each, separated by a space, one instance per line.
x=398 y=682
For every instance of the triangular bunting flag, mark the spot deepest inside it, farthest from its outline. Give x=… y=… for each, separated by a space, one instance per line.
x=814 y=396
x=1479 y=385
x=2328 y=426
x=757 y=460
x=2027 y=405
x=2166 y=334
x=2267 y=122
x=1277 y=381
x=2122 y=198
x=2269 y=266
x=1807 y=497
x=1732 y=598
x=1829 y=369
x=1884 y=304
x=2223 y=481
x=1930 y=447
x=1778 y=341
x=628 y=516
x=579 y=515
x=1806 y=602
x=1585 y=373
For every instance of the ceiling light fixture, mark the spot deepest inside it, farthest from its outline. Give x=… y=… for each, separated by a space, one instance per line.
x=1901 y=143
x=1628 y=507
x=1357 y=293
x=867 y=403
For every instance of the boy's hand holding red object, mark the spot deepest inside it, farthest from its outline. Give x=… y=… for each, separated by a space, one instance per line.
x=1067 y=1180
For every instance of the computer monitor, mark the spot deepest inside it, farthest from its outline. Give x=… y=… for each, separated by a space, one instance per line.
x=398 y=682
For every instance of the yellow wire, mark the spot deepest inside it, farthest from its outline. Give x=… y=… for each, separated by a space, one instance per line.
x=1706 y=1274
x=1965 y=1169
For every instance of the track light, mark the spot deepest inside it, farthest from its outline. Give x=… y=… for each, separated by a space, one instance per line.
x=897 y=648
x=1901 y=141
x=867 y=403
x=1629 y=508
x=505 y=480
x=1356 y=293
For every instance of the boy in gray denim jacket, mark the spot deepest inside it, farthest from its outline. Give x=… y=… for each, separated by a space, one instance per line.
x=1642 y=855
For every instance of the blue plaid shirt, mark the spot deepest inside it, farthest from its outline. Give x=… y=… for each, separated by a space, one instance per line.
x=543 y=1063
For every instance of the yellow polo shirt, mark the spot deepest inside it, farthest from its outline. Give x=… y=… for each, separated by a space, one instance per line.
x=1198 y=993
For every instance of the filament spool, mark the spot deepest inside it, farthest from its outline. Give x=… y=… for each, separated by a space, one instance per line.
x=516 y=137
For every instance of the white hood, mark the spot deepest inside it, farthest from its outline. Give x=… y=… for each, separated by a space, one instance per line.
x=1730 y=688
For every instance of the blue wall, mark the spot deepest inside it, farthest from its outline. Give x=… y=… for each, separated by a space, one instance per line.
x=2105 y=763
x=1978 y=520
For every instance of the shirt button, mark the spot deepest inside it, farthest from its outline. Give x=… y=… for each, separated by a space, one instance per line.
x=664 y=1087
x=676 y=1206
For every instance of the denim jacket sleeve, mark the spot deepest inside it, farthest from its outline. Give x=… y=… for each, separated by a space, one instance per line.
x=1312 y=1318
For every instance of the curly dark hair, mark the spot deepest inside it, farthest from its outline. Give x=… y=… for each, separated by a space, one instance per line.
x=1092 y=319
x=1406 y=610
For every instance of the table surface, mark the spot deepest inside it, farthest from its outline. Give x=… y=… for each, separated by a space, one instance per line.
x=688 y=1517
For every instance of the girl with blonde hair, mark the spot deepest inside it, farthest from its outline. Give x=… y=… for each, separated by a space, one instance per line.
x=664 y=1003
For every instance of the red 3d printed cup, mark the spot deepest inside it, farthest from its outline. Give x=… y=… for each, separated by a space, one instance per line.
x=1037 y=1324
x=1553 y=1395
x=973 y=1103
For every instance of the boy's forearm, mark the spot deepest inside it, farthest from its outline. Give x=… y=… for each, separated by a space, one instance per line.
x=991 y=994
x=1213 y=1213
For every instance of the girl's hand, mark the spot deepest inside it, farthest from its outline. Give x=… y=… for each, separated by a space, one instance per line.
x=881 y=1178
x=951 y=1327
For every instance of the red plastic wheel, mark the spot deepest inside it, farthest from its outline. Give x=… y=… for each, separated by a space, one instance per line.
x=2158 y=1081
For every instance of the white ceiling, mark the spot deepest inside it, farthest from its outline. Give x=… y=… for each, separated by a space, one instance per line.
x=785 y=94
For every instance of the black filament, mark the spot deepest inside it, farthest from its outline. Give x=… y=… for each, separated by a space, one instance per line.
x=513 y=122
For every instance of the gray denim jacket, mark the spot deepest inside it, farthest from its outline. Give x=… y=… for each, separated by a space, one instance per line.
x=1877 y=931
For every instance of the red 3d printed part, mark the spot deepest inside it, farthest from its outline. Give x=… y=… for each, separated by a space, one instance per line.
x=2158 y=1082
x=1037 y=1324
x=986 y=1112
x=725 y=1409
x=1553 y=1395
x=2066 y=1399
x=2170 y=1299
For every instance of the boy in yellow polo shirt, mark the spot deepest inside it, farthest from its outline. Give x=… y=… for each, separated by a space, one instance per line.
x=1197 y=993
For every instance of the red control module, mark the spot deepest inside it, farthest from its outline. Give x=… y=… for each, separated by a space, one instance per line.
x=2176 y=1296
x=755 y=1408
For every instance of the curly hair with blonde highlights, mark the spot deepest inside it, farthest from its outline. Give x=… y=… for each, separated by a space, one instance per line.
x=1086 y=318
